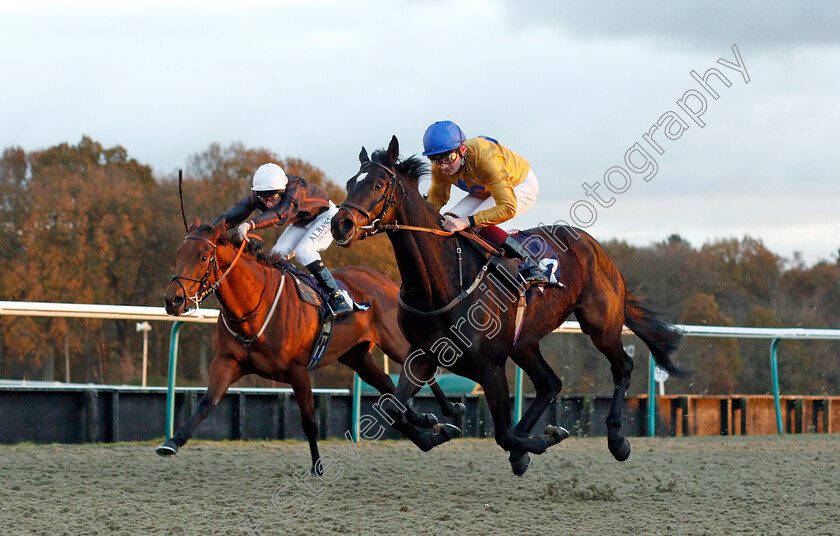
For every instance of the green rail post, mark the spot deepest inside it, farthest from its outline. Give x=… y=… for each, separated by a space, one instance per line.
x=774 y=371
x=517 y=399
x=357 y=405
x=651 y=398
x=170 y=385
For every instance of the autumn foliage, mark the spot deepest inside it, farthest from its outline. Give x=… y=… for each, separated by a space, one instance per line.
x=88 y=224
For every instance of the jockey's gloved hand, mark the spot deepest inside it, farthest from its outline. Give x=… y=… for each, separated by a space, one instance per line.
x=241 y=232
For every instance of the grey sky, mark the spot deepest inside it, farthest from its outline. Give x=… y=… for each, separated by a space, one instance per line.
x=569 y=87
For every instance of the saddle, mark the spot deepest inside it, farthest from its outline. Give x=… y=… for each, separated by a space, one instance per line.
x=312 y=293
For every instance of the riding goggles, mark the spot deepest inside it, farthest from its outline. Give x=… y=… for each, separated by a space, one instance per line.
x=444 y=158
x=268 y=194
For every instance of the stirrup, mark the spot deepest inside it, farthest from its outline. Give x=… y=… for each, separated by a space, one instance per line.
x=534 y=279
x=339 y=304
x=530 y=272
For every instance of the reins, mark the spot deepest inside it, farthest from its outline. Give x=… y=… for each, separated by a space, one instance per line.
x=458 y=299
x=375 y=226
x=206 y=289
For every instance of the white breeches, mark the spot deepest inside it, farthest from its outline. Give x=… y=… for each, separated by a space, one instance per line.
x=305 y=242
x=526 y=195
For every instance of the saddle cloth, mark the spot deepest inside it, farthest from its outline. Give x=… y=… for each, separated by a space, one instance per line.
x=541 y=252
x=314 y=294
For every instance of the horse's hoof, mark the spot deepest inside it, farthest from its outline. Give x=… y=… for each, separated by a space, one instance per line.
x=167 y=448
x=458 y=410
x=520 y=464
x=317 y=470
x=425 y=420
x=449 y=430
x=555 y=434
x=622 y=452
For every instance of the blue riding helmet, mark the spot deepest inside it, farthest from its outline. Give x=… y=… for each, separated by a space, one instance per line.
x=442 y=136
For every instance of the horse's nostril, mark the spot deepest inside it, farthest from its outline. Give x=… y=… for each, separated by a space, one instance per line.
x=177 y=300
x=345 y=225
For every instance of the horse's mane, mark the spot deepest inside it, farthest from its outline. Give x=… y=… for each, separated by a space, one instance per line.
x=254 y=248
x=413 y=169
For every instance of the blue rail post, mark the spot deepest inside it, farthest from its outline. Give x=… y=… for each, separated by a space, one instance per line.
x=170 y=385
x=357 y=404
x=774 y=371
x=517 y=399
x=651 y=398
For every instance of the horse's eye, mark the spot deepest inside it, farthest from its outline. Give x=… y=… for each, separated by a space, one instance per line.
x=203 y=258
x=378 y=186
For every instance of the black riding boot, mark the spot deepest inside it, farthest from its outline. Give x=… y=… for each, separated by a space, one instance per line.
x=529 y=270
x=338 y=303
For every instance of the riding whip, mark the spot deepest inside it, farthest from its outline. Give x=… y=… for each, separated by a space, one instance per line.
x=181 y=195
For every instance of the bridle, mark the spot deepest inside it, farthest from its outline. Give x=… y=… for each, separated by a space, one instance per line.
x=205 y=288
x=375 y=225
x=389 y=196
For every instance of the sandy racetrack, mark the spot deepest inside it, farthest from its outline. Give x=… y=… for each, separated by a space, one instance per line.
x=737 y=485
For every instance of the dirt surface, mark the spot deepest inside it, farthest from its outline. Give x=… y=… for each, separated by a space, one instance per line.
x=736 y=485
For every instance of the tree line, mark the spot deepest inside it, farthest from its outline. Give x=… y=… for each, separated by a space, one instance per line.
x=88 y=224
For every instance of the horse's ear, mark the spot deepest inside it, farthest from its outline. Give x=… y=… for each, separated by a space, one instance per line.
x=363 y=156
x=219 y=228
x=195 y=224
x=393 y=150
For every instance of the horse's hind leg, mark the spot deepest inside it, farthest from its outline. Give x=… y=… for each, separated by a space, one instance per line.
x=449 y=409
x=496 y=392
x=223 y=372
x=299 y=379
x=606 y=335
x=360 y=360
x=547 y=385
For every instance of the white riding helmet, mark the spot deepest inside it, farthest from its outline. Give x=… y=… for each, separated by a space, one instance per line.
x=269 y=177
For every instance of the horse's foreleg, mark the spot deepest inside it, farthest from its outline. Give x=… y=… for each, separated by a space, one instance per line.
x=360 y=360
x=415 y=373
x=223 y=372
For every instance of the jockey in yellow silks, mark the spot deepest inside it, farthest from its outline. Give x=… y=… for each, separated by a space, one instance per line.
x=500 y=185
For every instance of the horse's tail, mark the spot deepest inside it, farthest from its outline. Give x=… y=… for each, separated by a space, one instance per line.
x=663 y=339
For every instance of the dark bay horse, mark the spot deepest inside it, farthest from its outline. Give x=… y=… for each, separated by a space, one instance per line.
x=471 y=331
x=282 y=328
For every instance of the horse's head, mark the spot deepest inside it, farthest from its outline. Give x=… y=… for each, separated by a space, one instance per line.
x=195 y=268
x=372 y=197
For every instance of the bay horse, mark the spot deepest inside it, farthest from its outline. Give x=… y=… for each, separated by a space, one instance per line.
x=472 y=333
x=253 y=338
